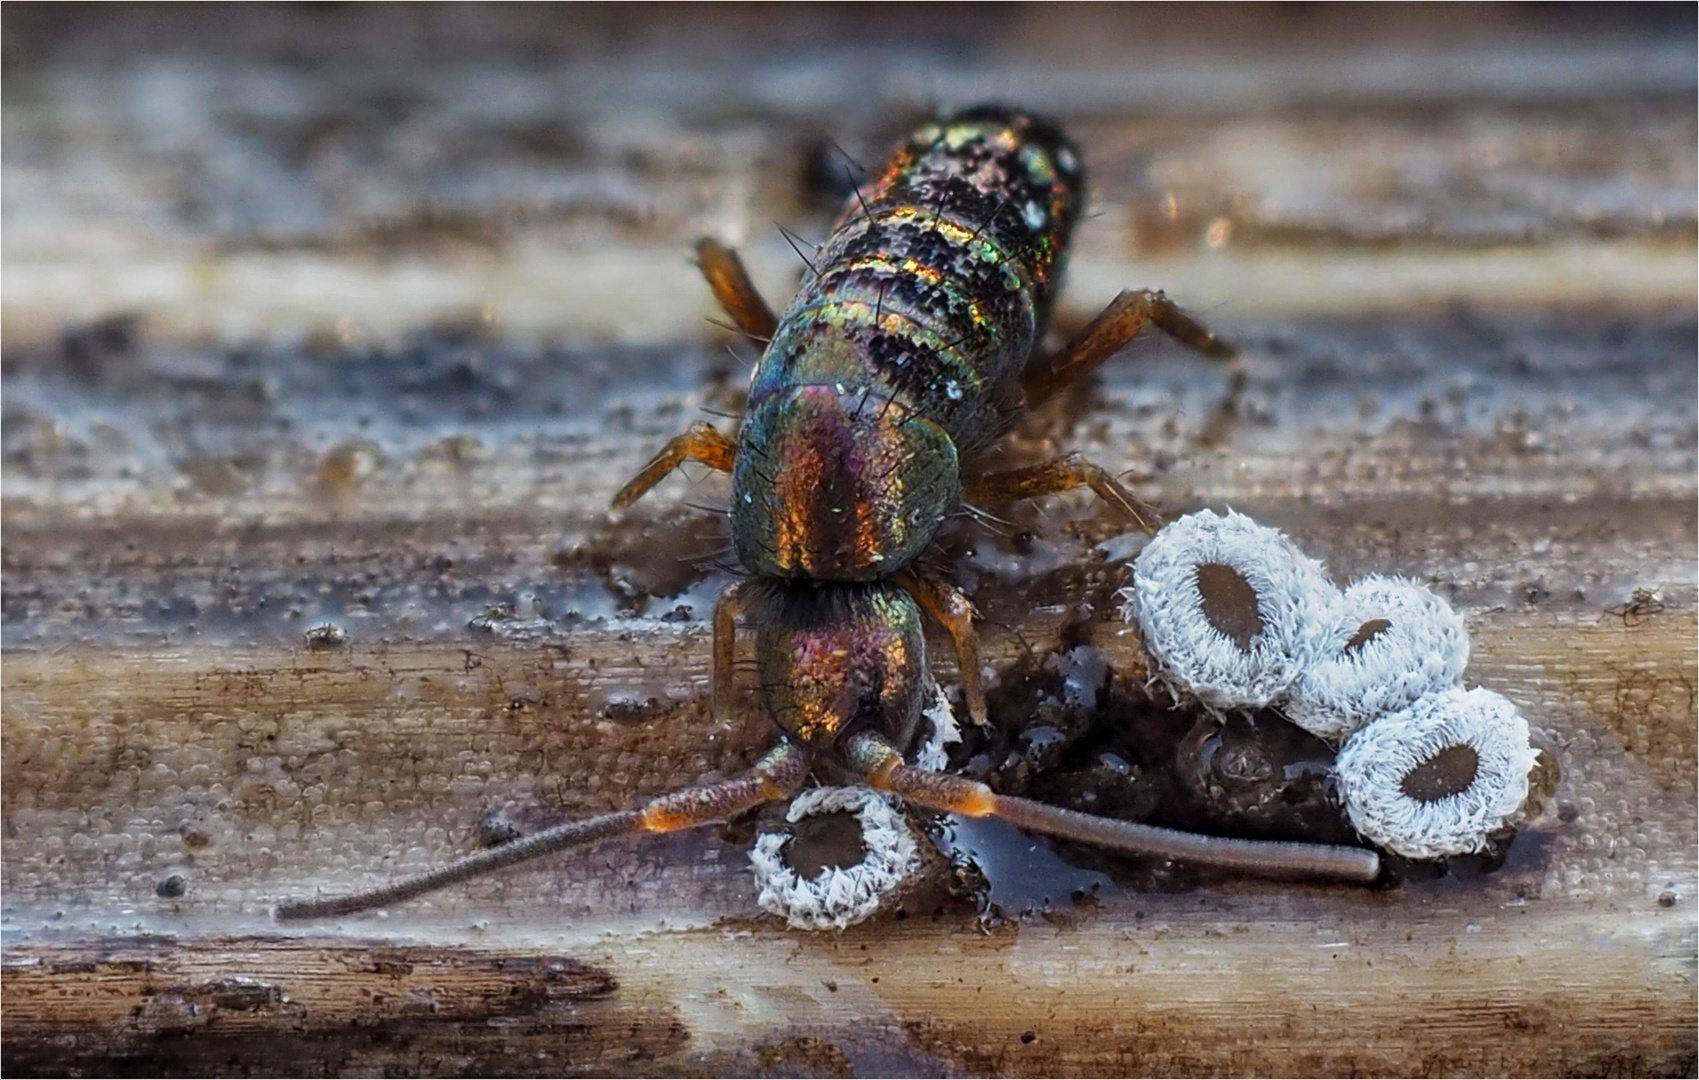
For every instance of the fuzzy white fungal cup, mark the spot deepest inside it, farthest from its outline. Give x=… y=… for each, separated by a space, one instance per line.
x=1228 y=608
x=1436 y=778
x=837 y=897
x=1390 y=641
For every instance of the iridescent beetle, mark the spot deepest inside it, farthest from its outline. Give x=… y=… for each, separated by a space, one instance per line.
x=909 y=349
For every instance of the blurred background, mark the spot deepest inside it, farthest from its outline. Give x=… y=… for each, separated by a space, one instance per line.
x=330 y=329
x=443 y=251
x=243 y=171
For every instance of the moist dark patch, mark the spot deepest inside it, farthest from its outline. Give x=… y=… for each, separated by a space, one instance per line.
x=1229 y=603
x=825 y=840
x=1367 y=633
x=1448 y=772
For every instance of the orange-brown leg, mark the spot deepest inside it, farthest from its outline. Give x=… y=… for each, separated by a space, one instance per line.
x=778 y=775
x=733 y=289
x=954 y=613
x=884 y=769
x=733 y=601
x=702 y=442
x=1116 y=325
x=1060 y=474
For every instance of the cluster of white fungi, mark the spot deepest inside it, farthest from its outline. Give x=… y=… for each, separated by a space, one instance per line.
x=1236 y=617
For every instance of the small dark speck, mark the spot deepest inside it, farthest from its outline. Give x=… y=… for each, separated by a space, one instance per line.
x=494 y=830
x=174 y=886
x=326 y=638
x=1029 y=1036
x=1668 y=898
x=832 y=985
x=875 y=978
x=1568 y=812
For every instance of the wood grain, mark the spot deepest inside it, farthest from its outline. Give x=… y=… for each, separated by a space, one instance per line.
x=357 y=318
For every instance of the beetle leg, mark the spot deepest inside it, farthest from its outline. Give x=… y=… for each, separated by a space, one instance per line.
x=1060 y=474
x=1116 y=325
x=733 y=601
x=954 y=612
x=884 y=769
x=733 y=289
x=778 y=775
x=703 y=442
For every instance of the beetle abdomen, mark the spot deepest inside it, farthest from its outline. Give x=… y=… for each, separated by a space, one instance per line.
x=937 y=280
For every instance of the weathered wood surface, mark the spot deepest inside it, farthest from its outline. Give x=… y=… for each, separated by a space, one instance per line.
x=414 y=303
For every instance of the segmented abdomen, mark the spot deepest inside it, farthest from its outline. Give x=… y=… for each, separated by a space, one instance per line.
x=936 y=280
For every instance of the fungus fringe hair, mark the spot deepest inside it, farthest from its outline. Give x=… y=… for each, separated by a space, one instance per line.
x=934 y=754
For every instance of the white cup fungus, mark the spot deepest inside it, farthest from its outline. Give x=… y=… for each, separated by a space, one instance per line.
x=837 y=896
x=1438 y=777
x=1228 y=608
x=1390 y=641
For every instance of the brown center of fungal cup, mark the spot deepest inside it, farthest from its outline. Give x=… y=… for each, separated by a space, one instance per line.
x=1229 y=603
x=1448 y=772
x=1367 y=633
x=825 y=840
